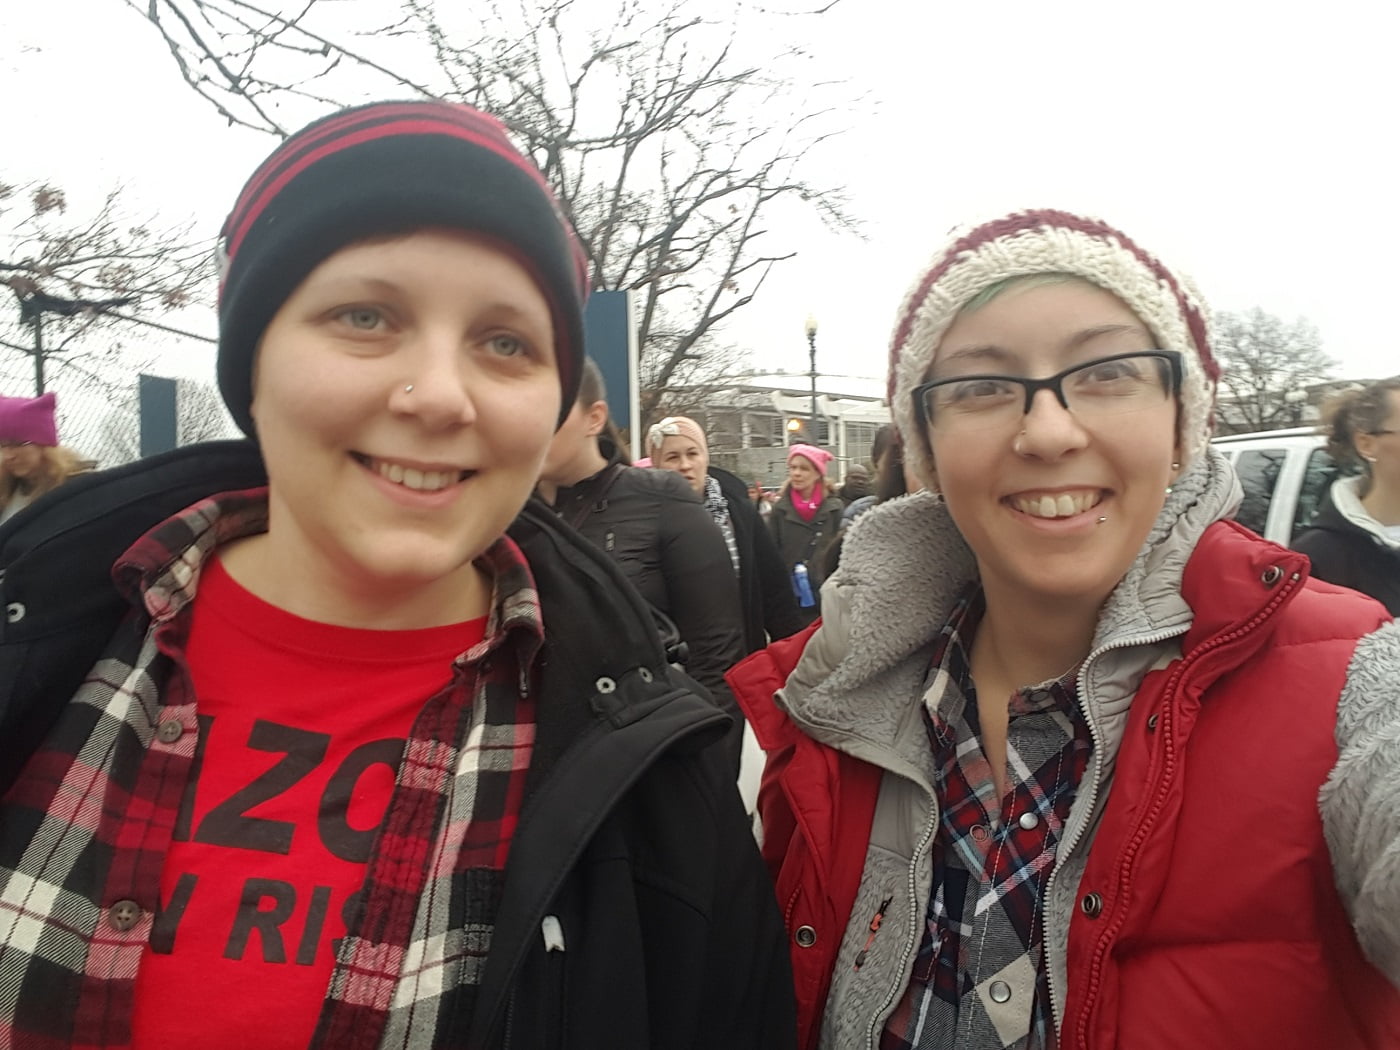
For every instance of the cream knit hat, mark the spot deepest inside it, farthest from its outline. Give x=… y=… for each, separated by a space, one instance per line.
x=1035 y=242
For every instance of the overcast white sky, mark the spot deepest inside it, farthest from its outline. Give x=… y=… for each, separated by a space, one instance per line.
x=1250 y=144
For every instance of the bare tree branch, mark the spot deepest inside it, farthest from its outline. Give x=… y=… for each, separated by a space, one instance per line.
x=664 y=146
x=1267 y=365
x=68 y=276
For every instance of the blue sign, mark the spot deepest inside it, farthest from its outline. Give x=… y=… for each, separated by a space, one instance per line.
x=159 y=418
x=610 y=338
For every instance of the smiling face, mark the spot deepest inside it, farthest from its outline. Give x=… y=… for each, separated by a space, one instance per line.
x=802 y=475
x=686 y=457
x=404 y=396
x=1028 y=495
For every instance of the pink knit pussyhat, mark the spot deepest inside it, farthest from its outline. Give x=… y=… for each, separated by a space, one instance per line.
x=29 y=420
x=818 y=457
x=1043 y=242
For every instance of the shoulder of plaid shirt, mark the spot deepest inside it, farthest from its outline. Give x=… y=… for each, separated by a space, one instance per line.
x=627 y=774
x=1287 y=688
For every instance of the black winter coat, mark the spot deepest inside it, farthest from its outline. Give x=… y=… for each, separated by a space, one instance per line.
x=804 y=541
x=654 y=527
x=770 y=610
x=1343 y=553
x=632 y=831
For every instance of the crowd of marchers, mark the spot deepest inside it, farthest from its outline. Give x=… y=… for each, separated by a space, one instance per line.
x=418 y=718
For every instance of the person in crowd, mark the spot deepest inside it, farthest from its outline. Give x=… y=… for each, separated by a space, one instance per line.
x=358 y=748
x=885 y=453
x=33 y=461
x=1355 y=541
x=855 y=485
x=656 y=529
x=804 y=519
x=1073 y=759
x=678 y=444
x=760 y=499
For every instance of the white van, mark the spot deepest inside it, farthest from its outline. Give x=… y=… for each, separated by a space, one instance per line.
x=1285 y=474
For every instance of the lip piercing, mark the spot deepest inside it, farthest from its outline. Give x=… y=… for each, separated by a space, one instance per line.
x=408 y=389
x=1102 y=519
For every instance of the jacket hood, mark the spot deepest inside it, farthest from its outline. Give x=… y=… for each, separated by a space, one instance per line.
x=1342 y=511
x=904 y=565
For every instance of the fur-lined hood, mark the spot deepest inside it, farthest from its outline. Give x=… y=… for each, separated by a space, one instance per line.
x=903 y=566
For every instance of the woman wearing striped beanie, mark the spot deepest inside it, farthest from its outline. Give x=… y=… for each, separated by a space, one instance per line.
x=328 y=739
x=1073 y=759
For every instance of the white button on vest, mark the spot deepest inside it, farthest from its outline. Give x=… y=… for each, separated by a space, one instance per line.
x=1028 y=820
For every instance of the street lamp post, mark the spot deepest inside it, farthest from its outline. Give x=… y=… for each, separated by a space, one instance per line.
x=812 y=372
x=35 y=304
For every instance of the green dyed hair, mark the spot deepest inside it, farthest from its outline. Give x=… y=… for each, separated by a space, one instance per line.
x=1020 y=280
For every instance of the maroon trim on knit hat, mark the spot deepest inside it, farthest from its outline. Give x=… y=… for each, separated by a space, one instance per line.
x=1040 y=219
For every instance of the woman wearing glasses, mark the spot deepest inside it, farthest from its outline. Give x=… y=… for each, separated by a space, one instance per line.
x=1355 y=541
x=1072 y=759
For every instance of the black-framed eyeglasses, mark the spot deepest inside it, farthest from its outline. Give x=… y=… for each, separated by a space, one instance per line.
x=1105 y=386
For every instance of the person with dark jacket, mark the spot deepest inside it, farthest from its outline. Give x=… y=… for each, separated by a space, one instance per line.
x=678 y=444
x=333 y=740
x=804 y=521
x=1355 y=540
x=655 y=528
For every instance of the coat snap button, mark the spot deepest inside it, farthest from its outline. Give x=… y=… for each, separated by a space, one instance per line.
x=644 y=673
x=1028 y=820
x=1271 y=576
x=605 y=685
x=1000 y=991
x=169 y=731
x=14 y=612
x=1092 y=905
x=805 y=936
x=124 y=915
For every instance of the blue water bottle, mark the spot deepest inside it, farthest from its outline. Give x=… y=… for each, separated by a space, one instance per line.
x=802 y=586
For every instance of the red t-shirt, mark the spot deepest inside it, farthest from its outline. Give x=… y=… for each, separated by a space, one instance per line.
x=301 y=728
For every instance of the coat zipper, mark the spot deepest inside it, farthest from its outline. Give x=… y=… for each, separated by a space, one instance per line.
x=1154 y=809
x=911 y=939
x=1067 y=847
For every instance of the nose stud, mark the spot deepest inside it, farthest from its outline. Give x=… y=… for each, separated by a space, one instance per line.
x=408 y=389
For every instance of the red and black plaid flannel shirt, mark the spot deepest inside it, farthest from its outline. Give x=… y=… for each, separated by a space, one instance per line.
x=84 y=832
x=979 y=977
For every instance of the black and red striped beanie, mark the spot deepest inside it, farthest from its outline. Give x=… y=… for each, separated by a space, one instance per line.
x=378 y=170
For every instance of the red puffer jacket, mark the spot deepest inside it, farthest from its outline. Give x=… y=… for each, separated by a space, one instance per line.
x=1208 y=911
